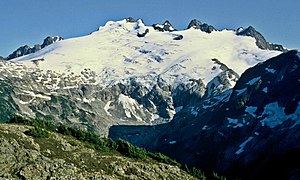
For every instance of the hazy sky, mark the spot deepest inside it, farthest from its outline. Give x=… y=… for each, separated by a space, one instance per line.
x=30 y=21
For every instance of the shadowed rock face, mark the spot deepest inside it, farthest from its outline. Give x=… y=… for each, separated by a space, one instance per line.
x=249 y=132
x=24 y=50
x=261 y=42
x=50 y=40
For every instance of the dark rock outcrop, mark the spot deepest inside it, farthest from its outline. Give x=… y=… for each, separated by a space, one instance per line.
x=130 y=19
x=178 y=37
x=261 y=42
x=203 y=27
x=50 y=40
x=166 y=26
x=139 y=34
x=24 y=50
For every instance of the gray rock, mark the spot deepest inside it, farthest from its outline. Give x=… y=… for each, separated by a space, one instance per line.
x=166 y=26
x=50 y=40
x=24 y=50
x=196 y=24
x=261 y=42
x=130 y=19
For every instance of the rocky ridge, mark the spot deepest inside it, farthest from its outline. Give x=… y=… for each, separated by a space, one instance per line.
x=261 y=42
x=24 y=50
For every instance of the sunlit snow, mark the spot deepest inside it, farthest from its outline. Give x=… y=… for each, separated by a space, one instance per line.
x=115 y=53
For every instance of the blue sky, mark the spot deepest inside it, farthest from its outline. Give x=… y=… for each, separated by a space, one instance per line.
x=30 y=21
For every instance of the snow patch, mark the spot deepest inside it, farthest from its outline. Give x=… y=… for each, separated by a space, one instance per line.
x=242 y=146
x=234 y=122
x=172 y=142
x=251 y=110
x=107 y=107
x=253 y=81
x=271 y=70
x=129 y=105
x=240 y=91
x=194 y=112
x=275 y=115
x=265 y=90
x=205 y=127
x=48 y=98
x=178 y=109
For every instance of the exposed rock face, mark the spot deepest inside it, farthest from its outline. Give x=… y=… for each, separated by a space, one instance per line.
x=166 y=26
x=223 y=82
x=130 y=19
x=24 y=50
x=50 y=40
x=203 y=27
x=195 y=23
x=143 y=34
x=77 y=100
x=249 y=132
x=260 y=40
x=24 y=157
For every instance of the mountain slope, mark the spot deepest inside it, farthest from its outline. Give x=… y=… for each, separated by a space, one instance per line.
x=63 y=157
x=247 y=133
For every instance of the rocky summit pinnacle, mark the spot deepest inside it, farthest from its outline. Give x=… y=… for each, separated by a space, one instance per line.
x=195 y=23
x=203 y=27
x=166 y=26
x=261 y=42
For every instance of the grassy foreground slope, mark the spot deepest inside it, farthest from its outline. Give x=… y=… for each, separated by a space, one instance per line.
x=25 y=155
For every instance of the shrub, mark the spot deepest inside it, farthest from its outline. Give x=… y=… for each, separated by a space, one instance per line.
x=164 y=159
x=129 y=150
x=37 y=133
x=195 y=172
x=73 y=143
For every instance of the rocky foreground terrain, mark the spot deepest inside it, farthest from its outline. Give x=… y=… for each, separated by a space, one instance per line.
x=63 y=157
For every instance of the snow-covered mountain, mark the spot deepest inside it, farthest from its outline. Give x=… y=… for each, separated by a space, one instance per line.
x=116 y=53
x=127 y=72
x=201 y=87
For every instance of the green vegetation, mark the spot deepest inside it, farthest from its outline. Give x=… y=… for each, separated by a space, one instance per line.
x=164 y=159
x=129 y=150
x=37 y=133
x=92 y=140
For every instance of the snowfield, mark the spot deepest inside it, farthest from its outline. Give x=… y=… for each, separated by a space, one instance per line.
x=115 y=53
